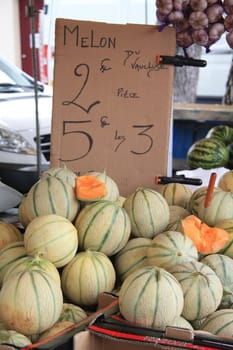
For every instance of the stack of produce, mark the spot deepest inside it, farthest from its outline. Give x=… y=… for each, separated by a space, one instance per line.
x=167 y=257
x=214 y=150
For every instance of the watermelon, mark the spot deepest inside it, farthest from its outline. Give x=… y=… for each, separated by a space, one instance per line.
x=221 y=132
x=207 y=153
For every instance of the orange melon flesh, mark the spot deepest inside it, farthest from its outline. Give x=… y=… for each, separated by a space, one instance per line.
x=89 y=188
x=206 y=239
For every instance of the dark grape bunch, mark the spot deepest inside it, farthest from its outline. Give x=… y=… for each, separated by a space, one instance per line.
x=200 y=22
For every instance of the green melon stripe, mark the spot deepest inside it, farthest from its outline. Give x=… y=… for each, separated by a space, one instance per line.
x=81 y=264
x=217 y=205
x=11 y=262
x=108 y=231
x=124 y=231
x=132 y=266
x=123 y=252
x=215 y=316
x=101 y=205
x=223 y=266
x=145 y=271
x=42 y=244
x=34 y=191
x=44 y=276
x=70 y=253
x=40 y=226
x=199 y=300
x=98 y=261
x=143 y=192
x=140 y=295
x=67 y=197
x=227 y=247
x=171 y=281
x=218 y=330
x=19 y=280
x=52 y=206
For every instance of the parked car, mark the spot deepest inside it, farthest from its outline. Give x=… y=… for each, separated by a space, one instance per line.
x=18 y=133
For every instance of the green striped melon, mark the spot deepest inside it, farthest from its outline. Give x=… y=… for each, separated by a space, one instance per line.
x=33 y=263
x=87 y=275
x=148 y=211
x=176 y=194
x=51 y=195
x=73 y=313
x=201 y=287
x=112 y=188
x=207 y=153
x=9 y=254
x=9 y=233
x=223 y=267
x=52 y=237
x=103 y=226
x=220 y=207
x=30 y=302
x=221 y=132
x=227 y=225
x=63 y=173
x=151 y=297
x=219 y=323
x=132 y=256
x=170 y=248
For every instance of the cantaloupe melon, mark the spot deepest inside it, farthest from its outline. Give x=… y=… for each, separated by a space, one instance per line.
x=151 y=297
x=103 y=226
x=202 y=289
x=87 y=275
x=148 y=212
x=52 y=237
x=30 y=302
x=170 y=248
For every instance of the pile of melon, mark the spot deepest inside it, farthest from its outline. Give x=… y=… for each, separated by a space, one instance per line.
x=167 y=257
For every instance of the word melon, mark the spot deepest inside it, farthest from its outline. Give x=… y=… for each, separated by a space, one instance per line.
x=9 y=254
x=223 y=267
x=132 y=256
x=9 y=233
x=51 y=195
x=52 y=237
x=170 y=248
x=152 y=297
x=103 y=226
x=148 y=211
x=176 y=194
x=219 y=323
x=30 y=302
x=201 y=287
x=87 y=275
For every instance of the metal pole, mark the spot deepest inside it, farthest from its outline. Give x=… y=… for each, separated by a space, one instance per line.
x=31 y=14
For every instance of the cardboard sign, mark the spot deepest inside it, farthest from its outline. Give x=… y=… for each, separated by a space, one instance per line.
x=112 y=101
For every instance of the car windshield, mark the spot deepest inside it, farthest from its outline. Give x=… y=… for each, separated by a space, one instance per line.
x=11 y=75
